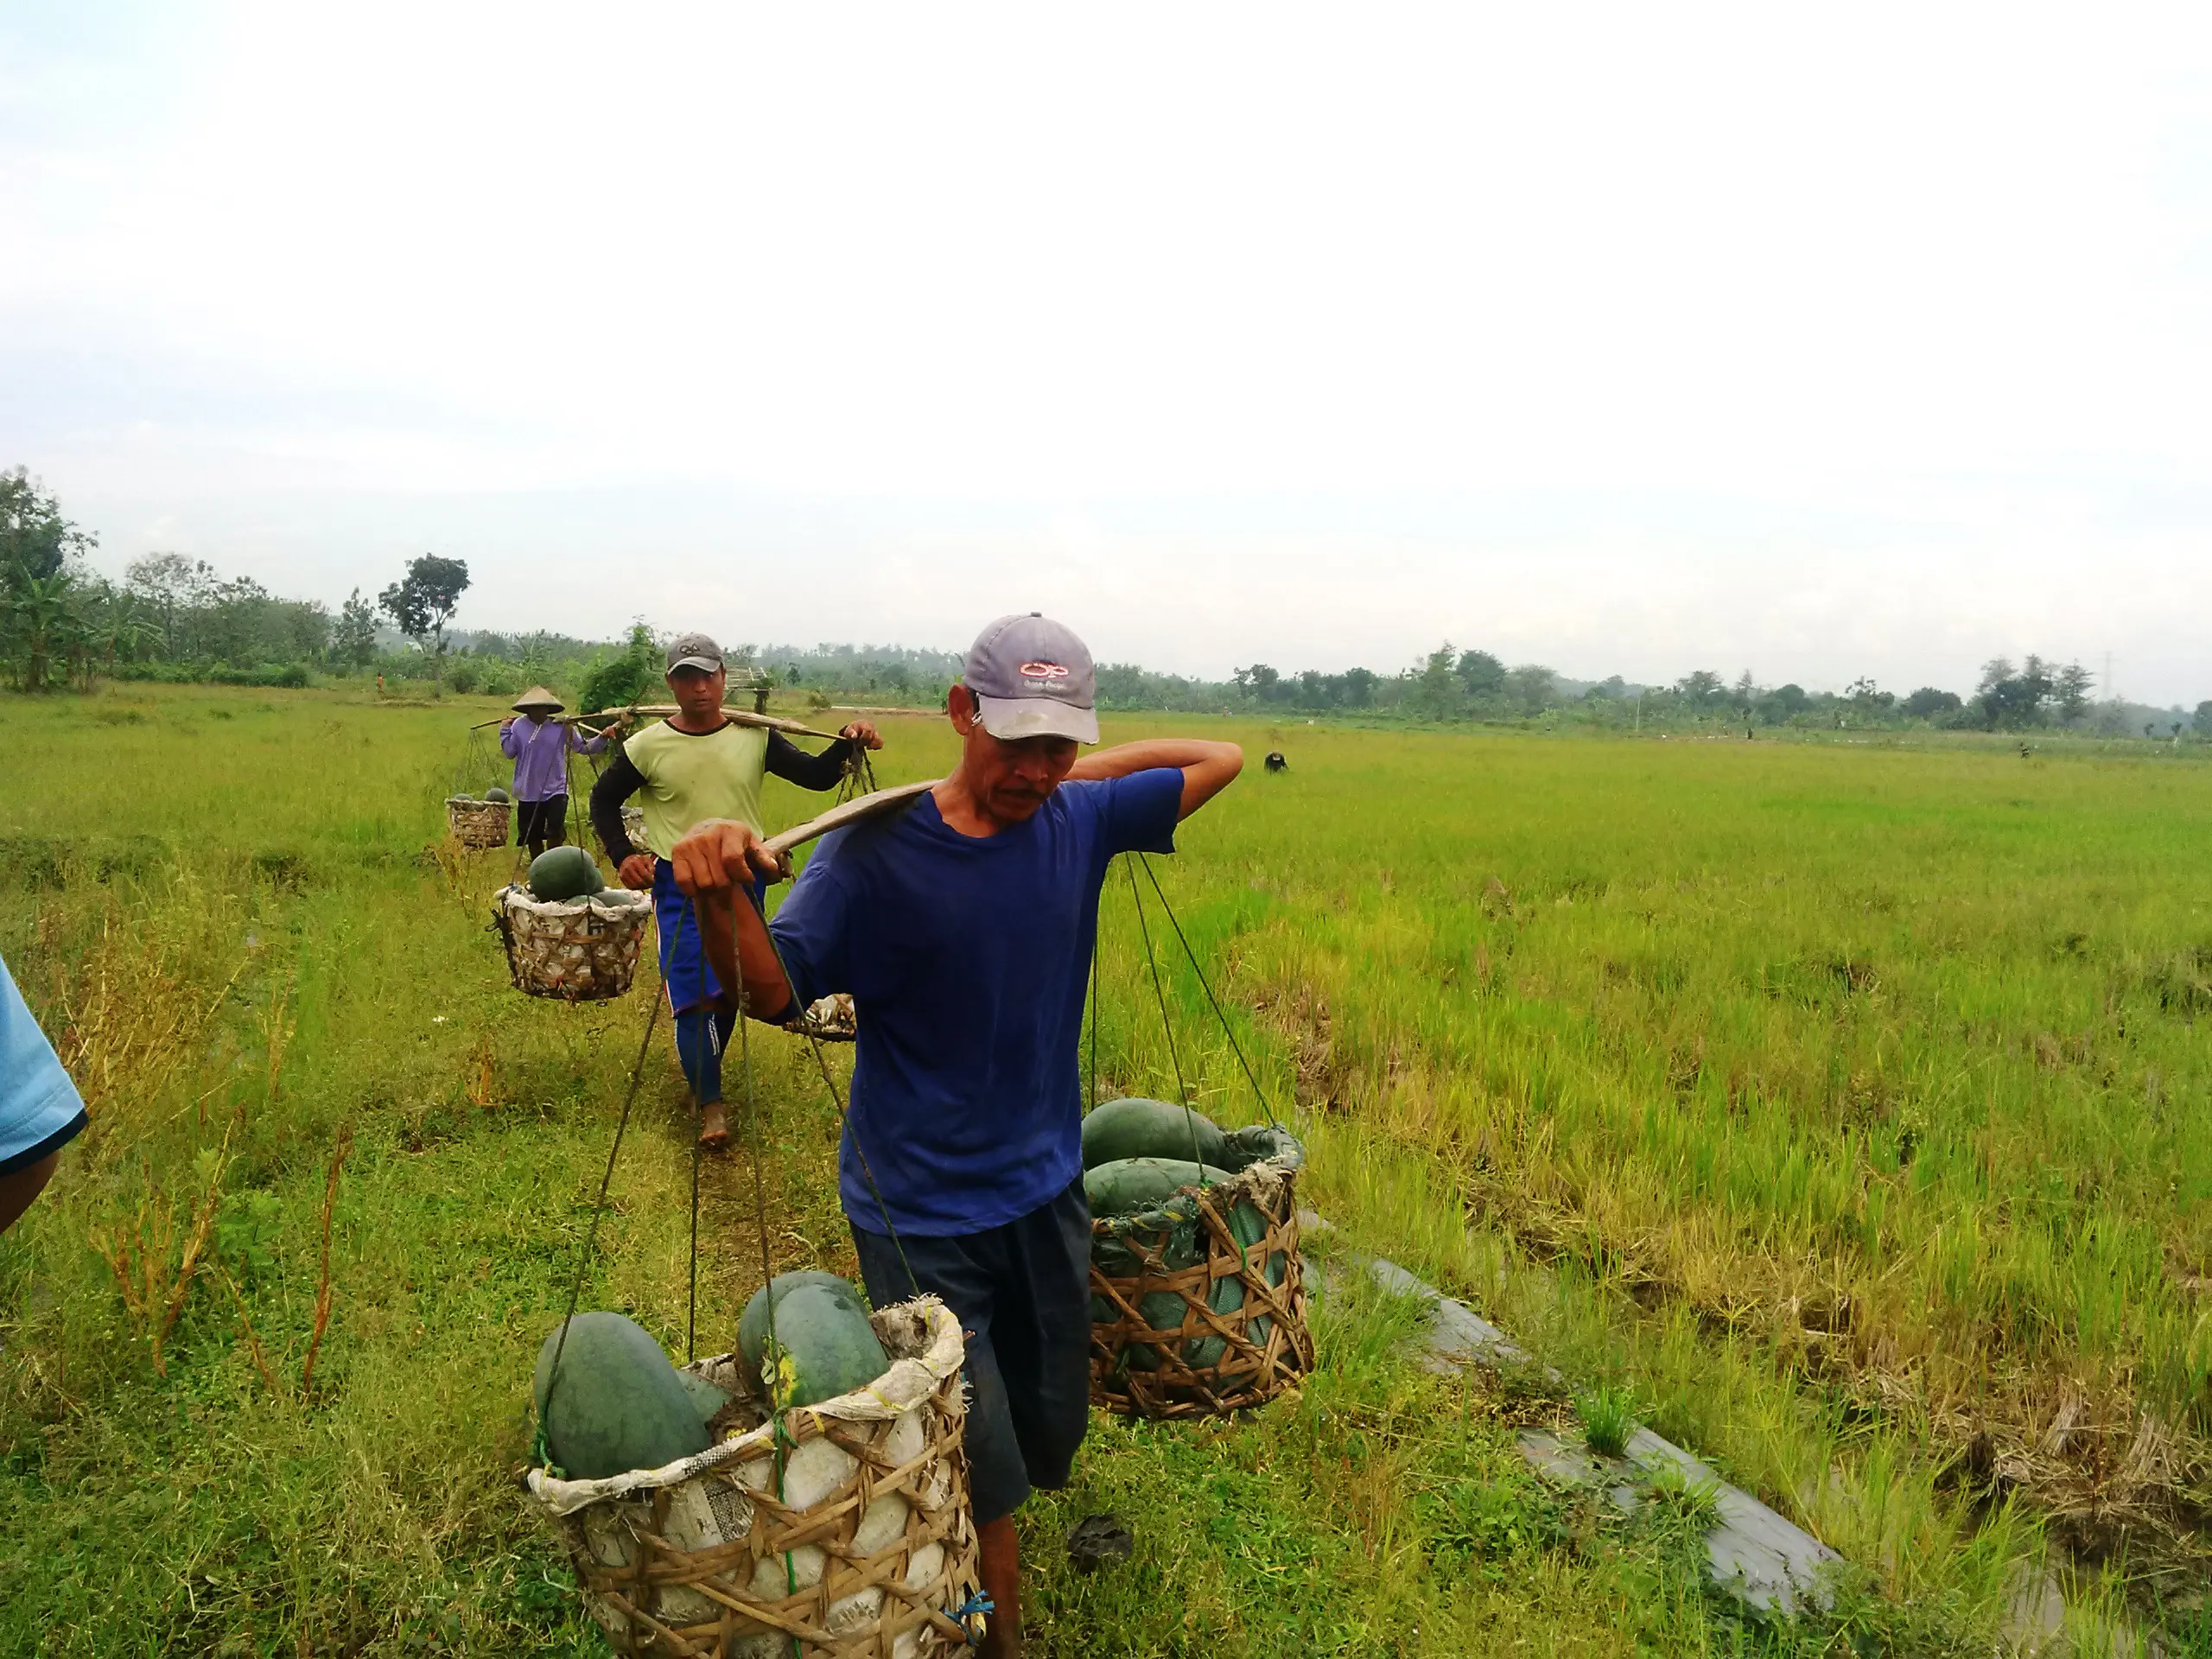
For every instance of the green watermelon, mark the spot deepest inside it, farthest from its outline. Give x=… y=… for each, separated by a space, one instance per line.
x=560 y=873
x=619 y=1404
x=825 y=1346
x=495 y=793
x=1117 y=1130
x=706 y=1398
x=1130 y=1186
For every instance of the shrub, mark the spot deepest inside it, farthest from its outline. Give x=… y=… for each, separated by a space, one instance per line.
x=634 y=676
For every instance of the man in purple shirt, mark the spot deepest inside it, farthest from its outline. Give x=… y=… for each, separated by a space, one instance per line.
x=540 y=748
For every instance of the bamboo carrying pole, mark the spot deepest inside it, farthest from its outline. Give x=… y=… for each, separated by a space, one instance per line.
x=662 y=710
x=735 y=716
x=861 y=806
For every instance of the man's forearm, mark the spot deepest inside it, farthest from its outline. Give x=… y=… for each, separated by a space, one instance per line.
x=1124 y=758
x=1207 y=768
x=740 y=952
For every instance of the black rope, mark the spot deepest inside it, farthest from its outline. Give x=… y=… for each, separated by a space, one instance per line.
x=822 y=1060
x=599 y=1209
x=1227 y=1031
x=698 y=1119
x=1167 y=1025
x=752 y=1115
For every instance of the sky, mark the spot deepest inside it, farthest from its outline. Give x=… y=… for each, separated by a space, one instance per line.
x=1819 y=343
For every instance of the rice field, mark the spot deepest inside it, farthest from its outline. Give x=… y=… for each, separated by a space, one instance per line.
x=1844 y=1106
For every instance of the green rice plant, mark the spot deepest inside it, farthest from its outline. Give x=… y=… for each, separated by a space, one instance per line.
x=1608 y=1415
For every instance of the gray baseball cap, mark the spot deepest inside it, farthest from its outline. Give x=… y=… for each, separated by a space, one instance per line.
x=1033 y=677
x=694 y=650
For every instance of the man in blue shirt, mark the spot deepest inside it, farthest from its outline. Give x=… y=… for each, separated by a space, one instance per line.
x=40 y=1109
x=963 y=925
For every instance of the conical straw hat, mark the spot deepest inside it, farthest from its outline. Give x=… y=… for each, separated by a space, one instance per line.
x=537 y=697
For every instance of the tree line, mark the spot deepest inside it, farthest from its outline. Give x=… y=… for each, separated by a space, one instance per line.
x=174 y=617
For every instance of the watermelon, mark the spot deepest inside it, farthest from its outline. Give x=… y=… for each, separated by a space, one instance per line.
x=1117 y=1130
x=619 y=1404
x=495 y=793
x=706 y=1398
x=1130 y=1186
x=560 y=873
x=824 y=1346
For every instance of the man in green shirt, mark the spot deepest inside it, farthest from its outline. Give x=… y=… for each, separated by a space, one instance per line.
x=695 y=765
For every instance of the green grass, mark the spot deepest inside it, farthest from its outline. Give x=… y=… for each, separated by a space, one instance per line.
x=1844 y=1105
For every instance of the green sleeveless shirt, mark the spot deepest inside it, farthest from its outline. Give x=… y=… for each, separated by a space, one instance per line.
x=691 y=778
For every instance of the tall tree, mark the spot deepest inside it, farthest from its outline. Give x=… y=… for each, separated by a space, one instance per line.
x=1261 y=681
x=2071 y=688
x=2012 y=700
x=1532 y=686
x=1436 y=684
x=1482 y=673
x=35 y=540
x=354 y=641
x=424 y=601
x=1700 y=690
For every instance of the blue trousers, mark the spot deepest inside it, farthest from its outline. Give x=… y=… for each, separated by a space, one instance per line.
x=703 y=1029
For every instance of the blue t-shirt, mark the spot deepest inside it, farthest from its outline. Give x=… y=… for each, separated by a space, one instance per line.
x=40 y=1109
x=967 y=958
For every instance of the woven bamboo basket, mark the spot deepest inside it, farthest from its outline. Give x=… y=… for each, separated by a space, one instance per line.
x=830 y=1019
x=478 y=823
x=1198 y=1307
x=848 y=1535
x=584 y=950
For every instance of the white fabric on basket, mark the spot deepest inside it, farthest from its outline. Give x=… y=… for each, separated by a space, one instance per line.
x=612 y=904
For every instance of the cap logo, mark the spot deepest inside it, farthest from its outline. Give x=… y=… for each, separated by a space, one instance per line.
x=1047 y=671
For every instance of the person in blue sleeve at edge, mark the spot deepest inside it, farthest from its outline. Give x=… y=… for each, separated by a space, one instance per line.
x=40 y=1109
x=963 y=926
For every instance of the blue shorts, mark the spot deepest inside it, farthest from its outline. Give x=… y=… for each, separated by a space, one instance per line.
x=683 y=966
x=1023 y=1289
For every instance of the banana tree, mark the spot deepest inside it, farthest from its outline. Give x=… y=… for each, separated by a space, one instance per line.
x=126 y=629
x=44 y=612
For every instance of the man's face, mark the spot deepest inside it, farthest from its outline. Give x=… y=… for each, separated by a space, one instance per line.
x=698 y=693
x=1013 y=779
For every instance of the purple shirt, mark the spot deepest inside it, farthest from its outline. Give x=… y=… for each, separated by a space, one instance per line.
x=540 y=751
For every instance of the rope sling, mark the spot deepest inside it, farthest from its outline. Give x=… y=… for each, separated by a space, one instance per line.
x=1131 y=864
x=1235 y=1226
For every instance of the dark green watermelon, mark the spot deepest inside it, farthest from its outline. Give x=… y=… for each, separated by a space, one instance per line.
x=560 y=873
x=1130 y=1186
x=619 y=1404
x=1117 y=1130
x=823 y=1344
x=496 y=793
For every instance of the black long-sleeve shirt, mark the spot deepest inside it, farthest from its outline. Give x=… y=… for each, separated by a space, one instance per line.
x=785 y=759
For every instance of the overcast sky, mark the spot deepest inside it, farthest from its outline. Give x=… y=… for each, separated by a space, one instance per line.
x=1821 y=343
